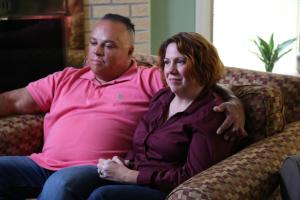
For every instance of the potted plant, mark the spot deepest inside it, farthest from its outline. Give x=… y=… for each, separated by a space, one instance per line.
x=269 y=53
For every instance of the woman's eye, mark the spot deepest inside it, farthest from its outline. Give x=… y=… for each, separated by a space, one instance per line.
x=166 y=62
x=181 y=61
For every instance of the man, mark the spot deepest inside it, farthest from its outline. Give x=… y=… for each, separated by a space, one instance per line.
x=91 y=114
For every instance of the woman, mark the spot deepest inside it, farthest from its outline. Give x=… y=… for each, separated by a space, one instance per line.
x=176 y=138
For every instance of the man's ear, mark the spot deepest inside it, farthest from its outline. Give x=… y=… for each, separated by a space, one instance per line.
x=130 y=52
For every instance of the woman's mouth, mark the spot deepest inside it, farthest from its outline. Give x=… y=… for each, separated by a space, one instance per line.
x=174 y=80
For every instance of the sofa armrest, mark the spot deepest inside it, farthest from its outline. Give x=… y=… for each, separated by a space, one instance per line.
x=249 y=174
x=264 y=107
x=21 y=134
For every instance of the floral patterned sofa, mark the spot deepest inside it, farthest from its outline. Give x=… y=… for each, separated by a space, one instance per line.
x=272 y=104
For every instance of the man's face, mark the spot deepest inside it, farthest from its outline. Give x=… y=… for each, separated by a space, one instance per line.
x=110 y=49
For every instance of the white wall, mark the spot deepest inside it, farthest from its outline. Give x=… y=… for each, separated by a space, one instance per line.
x=204 y=20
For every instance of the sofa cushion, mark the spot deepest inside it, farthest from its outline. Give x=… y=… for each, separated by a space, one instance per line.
x=21 y=134
x=264 y=109
x=145 y=60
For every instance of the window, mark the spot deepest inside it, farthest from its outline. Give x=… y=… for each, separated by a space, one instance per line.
x=236 y=23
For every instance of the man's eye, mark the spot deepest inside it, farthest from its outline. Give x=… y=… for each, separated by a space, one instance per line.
x=110 y=46
x=93 y=43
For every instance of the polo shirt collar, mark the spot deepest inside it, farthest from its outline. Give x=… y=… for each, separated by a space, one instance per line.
x=126 y=76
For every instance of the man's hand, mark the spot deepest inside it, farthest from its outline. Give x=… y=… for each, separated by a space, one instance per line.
x=115 y=170
x=233 y=125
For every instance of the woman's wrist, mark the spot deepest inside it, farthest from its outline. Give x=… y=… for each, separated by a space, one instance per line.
x=131 y=176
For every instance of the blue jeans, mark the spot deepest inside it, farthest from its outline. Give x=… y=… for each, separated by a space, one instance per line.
x=126 y=192
x=21 y=178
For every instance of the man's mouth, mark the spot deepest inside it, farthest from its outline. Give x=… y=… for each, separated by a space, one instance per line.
x=97 y=61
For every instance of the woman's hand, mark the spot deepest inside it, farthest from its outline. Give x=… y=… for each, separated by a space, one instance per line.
x=121 y=161
x=115 y=170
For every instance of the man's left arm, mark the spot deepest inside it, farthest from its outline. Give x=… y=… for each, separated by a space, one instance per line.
x=233 y=125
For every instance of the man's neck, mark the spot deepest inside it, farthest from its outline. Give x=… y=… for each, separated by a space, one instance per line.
x=105 y=80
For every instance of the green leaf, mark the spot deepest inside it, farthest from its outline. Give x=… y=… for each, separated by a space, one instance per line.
x=269 y=67
x=271 y=43
x=269 y=53
x=284 y=53
x=285 y=44
x=274 y=57
x=258 y=55
x=264 y=48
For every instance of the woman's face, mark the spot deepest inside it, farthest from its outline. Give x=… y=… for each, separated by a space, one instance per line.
x=176 y=73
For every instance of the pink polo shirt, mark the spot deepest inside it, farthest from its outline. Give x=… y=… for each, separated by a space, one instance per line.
x=87 y=120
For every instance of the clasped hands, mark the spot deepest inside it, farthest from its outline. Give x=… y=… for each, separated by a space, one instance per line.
x=116 y=169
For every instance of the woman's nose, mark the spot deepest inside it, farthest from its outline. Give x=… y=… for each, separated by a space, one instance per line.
x=173 y=68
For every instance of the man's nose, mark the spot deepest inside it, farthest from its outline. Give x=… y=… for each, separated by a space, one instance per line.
x=99 y=51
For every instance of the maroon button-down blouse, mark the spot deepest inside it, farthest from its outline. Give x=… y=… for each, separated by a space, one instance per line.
x=166 y=153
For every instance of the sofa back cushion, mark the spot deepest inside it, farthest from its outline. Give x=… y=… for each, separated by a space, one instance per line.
x=264 y=110
x=146 y=60
x=290 y=87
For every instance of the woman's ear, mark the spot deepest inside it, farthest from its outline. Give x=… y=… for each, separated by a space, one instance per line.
x=130 y=52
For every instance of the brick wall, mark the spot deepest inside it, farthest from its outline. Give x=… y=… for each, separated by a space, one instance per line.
x=137 y=10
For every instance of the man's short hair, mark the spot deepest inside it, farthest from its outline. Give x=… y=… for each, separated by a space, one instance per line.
x=119 y=18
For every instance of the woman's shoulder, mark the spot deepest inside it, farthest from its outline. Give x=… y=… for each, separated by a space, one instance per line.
x=204 y=113
x=164 y=92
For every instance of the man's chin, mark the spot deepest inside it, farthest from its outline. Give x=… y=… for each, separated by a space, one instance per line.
x=97 y=68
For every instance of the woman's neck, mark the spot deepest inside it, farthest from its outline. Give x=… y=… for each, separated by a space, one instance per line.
x=188 y=96
x=181 y=102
